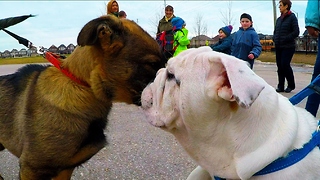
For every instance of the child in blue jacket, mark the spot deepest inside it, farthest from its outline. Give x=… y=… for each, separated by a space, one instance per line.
x=225 y=40
x=246 y=43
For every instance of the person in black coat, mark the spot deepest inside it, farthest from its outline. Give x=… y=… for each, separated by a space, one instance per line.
x=285 y=32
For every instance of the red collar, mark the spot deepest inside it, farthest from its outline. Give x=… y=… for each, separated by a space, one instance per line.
x=286 y=14
x=51 y=57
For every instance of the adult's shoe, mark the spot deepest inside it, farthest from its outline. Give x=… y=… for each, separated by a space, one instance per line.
x=287 y=90
x=279 y=90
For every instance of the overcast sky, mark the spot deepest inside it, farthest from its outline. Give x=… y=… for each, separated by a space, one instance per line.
x=59 y=22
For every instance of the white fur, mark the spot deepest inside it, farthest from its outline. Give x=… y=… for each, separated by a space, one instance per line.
x=227 y=118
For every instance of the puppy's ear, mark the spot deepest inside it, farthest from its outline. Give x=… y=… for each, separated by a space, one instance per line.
x=104 y=29
x=237 y=81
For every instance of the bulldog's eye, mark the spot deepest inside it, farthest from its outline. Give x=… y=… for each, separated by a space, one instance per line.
x=172 y=77
x=178 y=82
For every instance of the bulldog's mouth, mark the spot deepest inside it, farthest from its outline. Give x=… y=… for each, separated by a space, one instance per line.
x=147 y=98
x=157 y=101
x=136 y=99
x=136 y=94
x=147 y=106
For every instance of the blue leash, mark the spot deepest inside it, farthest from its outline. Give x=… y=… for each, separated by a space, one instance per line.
x=294 y=156
x=314 y=87
x=297 y=154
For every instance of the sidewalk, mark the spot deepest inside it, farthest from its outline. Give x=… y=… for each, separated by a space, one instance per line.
x=302 y=74
x=139 y=151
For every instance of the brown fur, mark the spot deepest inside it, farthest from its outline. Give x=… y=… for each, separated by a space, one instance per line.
x=54 y=124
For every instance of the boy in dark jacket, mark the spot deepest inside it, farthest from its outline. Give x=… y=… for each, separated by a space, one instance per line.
x=246 y=43
x=225 y=40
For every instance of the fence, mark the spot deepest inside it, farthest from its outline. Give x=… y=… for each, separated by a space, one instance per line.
x=304 y=44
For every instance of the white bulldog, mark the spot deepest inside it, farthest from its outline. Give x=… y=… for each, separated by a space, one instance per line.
x=228 y=119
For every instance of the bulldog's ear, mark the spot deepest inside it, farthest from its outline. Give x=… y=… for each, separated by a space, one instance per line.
x=237 y=81
x=104 y=30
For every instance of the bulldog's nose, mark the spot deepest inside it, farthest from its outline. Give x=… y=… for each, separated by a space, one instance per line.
x=146 y=98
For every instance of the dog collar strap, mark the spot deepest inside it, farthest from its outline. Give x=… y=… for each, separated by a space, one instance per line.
x=53 y=59
x=294 y=156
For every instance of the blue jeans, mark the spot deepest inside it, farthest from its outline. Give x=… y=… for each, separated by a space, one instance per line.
x=313 y=101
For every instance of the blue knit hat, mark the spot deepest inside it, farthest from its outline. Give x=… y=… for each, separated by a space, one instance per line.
x=177 y=22
x=227 y=30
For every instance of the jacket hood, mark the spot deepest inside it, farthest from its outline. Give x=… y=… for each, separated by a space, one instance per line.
x=177 y=22
x=109 y=7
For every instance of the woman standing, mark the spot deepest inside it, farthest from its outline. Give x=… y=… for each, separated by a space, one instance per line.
x=166 y=25
x=113 y=8
x=285 y=32
x=165 y=22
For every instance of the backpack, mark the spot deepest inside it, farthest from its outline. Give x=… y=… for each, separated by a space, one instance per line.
x=165 y=40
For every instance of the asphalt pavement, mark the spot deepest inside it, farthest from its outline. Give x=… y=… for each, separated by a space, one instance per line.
x=139 y=151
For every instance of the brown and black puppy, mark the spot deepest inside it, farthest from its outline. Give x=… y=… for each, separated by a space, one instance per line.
x=54 y=124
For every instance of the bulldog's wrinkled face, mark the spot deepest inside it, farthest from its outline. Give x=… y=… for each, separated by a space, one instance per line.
x=196 y=97
x=197 y=85
x=171 y=92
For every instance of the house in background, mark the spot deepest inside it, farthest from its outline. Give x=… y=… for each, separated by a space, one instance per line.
x=5 y=54
x=23 y=52
x=70 y=48
x=202 y=40
x=32 y=51
x=53 y=49
x=62 y=49
x=14 y=53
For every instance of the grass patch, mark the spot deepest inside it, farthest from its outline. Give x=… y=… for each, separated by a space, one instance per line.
x=299 y=58
x=23 y=60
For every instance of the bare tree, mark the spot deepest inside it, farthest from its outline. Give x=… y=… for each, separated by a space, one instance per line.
x=155 y=21
x=200 y=27
x=227 y=17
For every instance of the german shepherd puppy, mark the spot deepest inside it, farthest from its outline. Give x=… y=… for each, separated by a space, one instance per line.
x=54 y=124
